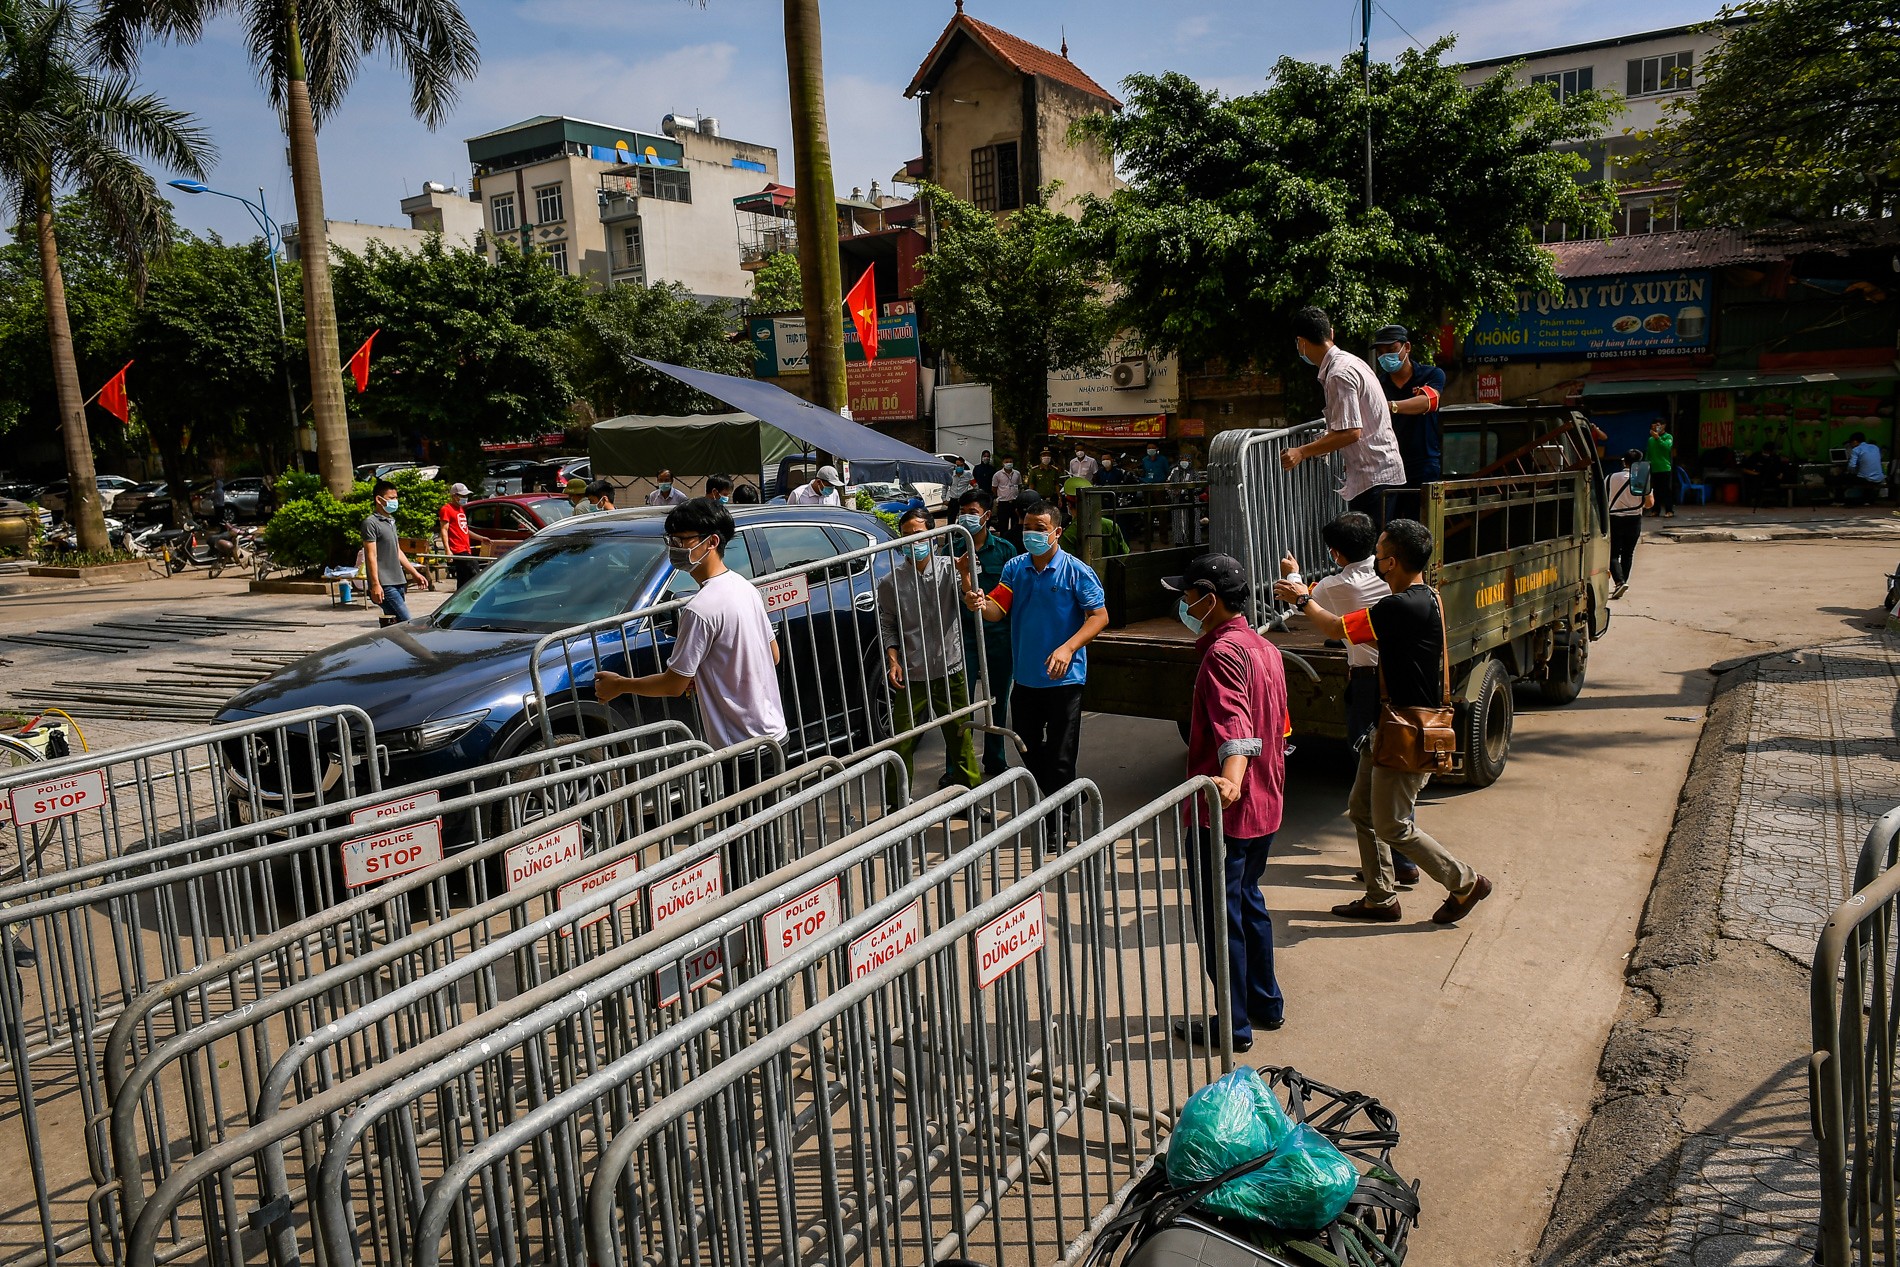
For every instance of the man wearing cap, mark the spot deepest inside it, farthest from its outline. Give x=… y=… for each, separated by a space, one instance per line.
x=1358 y=420
x=577 y=496
x=452 y=532
x=1237 y=737
x=822 y=491
x=1413 y=392
x=664 y=494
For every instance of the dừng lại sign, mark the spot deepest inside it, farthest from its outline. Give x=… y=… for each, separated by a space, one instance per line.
x=1600 y=318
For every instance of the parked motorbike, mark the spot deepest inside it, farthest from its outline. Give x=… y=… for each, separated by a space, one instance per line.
x=211 y=547
x=64 y=537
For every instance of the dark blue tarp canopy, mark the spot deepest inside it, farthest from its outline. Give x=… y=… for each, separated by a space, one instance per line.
x=873 y=456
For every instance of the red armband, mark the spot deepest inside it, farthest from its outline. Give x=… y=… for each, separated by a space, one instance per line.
x=1429 y=393
x=1359 y=627
x=1001 y=596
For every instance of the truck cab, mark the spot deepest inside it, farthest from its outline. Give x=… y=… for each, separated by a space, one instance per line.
x=1522 y=565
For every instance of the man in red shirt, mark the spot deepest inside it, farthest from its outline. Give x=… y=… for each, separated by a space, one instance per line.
x=1237 y=737
x=457 y=540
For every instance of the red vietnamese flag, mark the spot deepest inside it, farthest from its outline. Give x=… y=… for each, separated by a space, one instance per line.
x=112 y=399
x=862 y=304
x=359 y=363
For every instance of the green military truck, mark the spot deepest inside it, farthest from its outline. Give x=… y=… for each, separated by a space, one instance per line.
x=1522 y=563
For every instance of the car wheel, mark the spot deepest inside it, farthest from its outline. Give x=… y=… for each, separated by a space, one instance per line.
x=1485 y=737
x=1563 y=680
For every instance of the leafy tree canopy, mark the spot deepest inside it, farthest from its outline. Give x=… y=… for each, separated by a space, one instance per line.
x=469 y=351
x=663 y=323
x=1241 y=210
x=777 y=287
x=1013 y=301
x=1794 y=117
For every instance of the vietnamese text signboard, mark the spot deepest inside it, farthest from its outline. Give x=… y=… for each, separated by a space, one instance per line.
x=882 y=390
x=1600 y=318
x=778 y=343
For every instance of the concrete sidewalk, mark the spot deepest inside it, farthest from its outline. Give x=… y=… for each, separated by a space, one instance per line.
x=1698 y=1152
x=1876 y=522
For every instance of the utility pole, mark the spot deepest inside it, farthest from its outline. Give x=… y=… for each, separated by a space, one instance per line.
x=1365 y=63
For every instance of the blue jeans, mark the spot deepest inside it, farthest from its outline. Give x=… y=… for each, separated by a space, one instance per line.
x=1255 y=993
x=396 y=601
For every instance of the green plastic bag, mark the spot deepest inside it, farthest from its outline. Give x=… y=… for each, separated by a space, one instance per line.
x=1305 y=1183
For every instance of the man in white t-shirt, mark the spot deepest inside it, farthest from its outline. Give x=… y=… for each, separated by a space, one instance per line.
x=725 y=642
x=822 y=491
x=1358 y=420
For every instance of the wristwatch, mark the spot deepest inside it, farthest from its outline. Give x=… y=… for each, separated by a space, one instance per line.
x=1300 y=603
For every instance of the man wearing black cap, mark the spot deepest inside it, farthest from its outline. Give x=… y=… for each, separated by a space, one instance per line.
x=1237 y=737
x=1414 y=392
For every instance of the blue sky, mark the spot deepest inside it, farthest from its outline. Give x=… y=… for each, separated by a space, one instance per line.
x=630 y=62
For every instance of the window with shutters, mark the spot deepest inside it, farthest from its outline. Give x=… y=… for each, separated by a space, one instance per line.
x=983 y=178
x=1009 y=178
x=1672 y=72
x=1566 y=83
x=547 y=205
x=996 y=179
x=502 y=210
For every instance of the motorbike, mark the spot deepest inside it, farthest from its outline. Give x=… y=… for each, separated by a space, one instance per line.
x=64 y=537
x=211 y=547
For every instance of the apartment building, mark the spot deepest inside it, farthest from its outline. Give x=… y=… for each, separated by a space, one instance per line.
x=613 y=204
x=1647 y=70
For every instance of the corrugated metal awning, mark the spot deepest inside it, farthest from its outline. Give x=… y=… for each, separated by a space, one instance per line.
x=1719 y=381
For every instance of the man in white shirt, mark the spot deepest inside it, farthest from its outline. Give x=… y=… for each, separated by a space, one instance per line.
x=1628 y=497
x=1082 y=466
x=1358 y=420
x=664 y=494
x=822 y=491
x=1351 y=540
x=1006 y=487
x=725 y=646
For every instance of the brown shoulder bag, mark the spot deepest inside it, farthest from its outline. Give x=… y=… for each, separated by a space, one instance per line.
x=1417 y=740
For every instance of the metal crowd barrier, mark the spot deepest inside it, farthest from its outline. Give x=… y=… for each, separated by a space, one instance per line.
x=1260 y=512
x=1150 y=516
x=80 y=945
x=837 y=694
x=243 y=1188
x=108 y=804
x=908 y=1112
x=1855 y=1013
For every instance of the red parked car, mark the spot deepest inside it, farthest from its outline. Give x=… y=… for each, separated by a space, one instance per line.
x=508 y=521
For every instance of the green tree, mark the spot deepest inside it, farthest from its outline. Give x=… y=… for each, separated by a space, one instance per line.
x=307 y=57
x=663 y=323
x=1013 y=302
x=210 y=358
x=65 y=126
x=469 y=350
x=1794 y=116
x=1239 y=211
x=776 y=286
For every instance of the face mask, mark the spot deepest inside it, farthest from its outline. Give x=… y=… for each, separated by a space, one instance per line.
x=1038 y=543
x=723 y=499
x=1154 y=453
x=918 y=550
x=1390 y=362
x=1193 y=624
x=666 y=488
x=682 y=558
x=973 y=523
x=1304 y=356
x=1009 y=466
x=389 y=507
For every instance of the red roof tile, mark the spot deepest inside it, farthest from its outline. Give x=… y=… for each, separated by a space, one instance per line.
x=1714 y=248
x=1017 y=54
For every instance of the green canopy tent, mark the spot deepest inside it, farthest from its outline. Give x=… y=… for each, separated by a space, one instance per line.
x=689 y=445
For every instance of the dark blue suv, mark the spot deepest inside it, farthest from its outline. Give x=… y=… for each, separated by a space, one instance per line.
x=449 y=691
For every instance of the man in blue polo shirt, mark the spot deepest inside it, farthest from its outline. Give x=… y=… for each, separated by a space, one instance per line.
x=1413 y=391
x=1055 y=608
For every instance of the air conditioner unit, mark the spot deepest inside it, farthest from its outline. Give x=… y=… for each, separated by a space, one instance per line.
x=1130 y=372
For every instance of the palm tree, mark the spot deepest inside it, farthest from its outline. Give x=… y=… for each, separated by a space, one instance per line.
x=306 y=61
x=816 y=208
x=65 y=125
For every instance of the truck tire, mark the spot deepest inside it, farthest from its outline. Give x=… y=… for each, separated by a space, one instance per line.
x=1568 y=663
x=1485 y=736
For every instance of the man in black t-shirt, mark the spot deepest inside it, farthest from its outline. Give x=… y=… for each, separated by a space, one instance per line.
x=1410 y=631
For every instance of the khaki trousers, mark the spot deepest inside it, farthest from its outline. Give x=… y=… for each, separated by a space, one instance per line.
x=1383 y=809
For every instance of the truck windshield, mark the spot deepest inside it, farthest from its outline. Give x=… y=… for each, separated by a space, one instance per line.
x=554 y=583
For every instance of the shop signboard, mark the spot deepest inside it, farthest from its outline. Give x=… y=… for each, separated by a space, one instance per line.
x=882 y=390
x=1147 y=427
x=778 y=343
x=1808 y=420
x=1601 y=318
x=1149 y=384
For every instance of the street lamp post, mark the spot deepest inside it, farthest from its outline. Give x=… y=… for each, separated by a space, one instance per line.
x=273 y=239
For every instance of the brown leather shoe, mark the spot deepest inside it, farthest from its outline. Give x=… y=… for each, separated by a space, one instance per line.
x=1456 y=908
x=1359 y=908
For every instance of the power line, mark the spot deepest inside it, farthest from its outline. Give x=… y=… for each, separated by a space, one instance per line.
x=1395 y=22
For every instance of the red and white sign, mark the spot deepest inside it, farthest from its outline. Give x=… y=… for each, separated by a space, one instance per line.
x=1008 y=940
x=401 y=805
x=571 y=892
x=674 y=896
x=790 y=592
x=56 y=798
x=556 y=850
x=702 y=969
x=887 y=941
x=1490 y=387
x=373 y=859
x=801 y=919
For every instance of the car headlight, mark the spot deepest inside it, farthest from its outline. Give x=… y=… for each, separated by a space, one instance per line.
x=438 y=733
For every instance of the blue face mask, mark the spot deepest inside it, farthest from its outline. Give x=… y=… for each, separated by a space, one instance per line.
x=1390 y=362
x=1304 y=356
x=918 y=550
x=973 y=524
x=665 y=489
x=723 y=499
x=390 y=505
x=1038 y=543
x=1181 y=610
